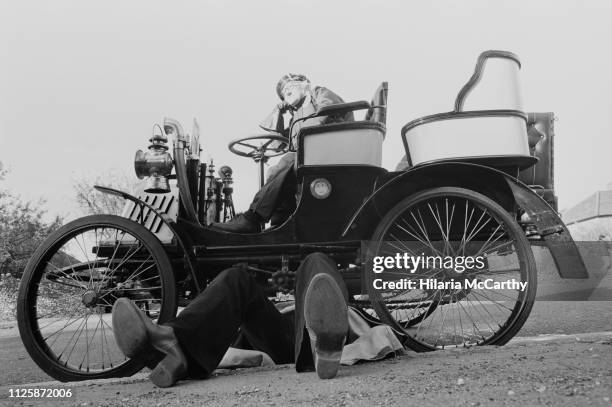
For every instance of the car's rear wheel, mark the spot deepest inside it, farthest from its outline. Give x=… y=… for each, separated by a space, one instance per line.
x=441 y=303
x=70 y=284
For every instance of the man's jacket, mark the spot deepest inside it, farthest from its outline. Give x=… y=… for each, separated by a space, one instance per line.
x=319 y=97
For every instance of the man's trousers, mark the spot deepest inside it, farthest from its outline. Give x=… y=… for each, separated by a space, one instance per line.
x=278 y=193
x=234 y=302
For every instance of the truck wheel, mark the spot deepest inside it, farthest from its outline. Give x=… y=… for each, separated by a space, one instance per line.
x=441 y=303
x=70 y=284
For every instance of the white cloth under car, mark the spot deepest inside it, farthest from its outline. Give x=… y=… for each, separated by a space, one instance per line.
x=370 y=343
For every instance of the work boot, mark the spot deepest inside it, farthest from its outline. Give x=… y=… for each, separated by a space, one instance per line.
x=326 y=317
x=247 y=222
x=135 y=334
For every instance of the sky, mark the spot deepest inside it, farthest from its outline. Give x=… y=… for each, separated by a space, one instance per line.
x=83 y=83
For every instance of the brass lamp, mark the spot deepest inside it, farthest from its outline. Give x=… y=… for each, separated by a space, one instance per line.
x=155 y=165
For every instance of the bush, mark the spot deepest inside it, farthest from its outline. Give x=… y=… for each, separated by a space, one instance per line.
x=8 y=296
x=48 y=300
x=22 y=230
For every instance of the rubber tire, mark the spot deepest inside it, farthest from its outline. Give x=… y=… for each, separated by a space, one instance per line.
x=522 y=245
x=33 y=342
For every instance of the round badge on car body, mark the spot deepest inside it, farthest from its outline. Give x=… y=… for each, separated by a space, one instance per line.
x=320 y=188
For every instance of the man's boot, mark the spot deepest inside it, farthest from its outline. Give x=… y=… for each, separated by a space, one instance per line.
x=282 y=212
x=247 y=222
x=326 y=317
x=135 y=333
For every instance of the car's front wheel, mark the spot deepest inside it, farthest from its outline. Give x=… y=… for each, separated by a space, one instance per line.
x=70 y=284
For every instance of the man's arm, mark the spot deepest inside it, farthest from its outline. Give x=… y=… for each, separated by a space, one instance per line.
x=323 y=97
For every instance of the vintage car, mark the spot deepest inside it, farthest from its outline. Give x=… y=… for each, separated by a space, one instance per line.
x=476 y=181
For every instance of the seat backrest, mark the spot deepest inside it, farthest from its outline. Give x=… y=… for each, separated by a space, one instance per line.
x=347 y=143
x=380 y=99
x=494 y=85
x=541 y=145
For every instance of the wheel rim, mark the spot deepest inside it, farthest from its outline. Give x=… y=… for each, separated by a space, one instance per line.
x=73 y=289
x=444 y=315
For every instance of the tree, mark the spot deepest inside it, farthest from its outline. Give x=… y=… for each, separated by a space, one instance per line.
x=22 y=229
x=93 y=201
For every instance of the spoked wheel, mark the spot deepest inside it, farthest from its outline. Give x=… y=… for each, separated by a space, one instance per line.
x=70 y=284
x=366 y=309
x=445 y=299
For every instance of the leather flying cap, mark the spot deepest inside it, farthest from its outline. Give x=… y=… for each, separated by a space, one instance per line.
x=290 y=77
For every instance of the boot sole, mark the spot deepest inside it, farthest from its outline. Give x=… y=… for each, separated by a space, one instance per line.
x=129 y=328
x=326 y=317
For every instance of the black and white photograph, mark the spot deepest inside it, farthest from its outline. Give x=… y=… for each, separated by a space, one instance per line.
x=322 y=203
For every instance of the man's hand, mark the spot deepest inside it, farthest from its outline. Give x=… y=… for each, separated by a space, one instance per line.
x=282 y=107
x=277 y=145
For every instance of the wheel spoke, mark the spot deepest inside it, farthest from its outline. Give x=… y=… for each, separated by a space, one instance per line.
x=142 y=280
x=421 y=302
x=488 y=241
x=449 y=222
x=67 y=324
x=124 y=259
x=458 y=312
x=466 y=222
x=417 y=238
x=102 y=339
x=423 y=229
x=88 y=343
x=475 y=307
x=428 y=310
x=474 y=326
x=443 y=310
x=117 y=244
x=112 y=273
x=72 y=337
x=139 y=289
x=436 y=216
x=475 y=231
x=496 y=247
x=68 y=275
x=248 y=145
x=134 y=275
x=78 y=337
x=474 y=293
x=404 y=247
x=87 y=260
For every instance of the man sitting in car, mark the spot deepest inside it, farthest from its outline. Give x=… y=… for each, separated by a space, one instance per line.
x=276 y=199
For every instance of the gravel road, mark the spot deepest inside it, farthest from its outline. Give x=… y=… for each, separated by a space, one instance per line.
x=566 y=371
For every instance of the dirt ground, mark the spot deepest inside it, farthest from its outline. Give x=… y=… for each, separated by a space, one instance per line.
x=558 y=371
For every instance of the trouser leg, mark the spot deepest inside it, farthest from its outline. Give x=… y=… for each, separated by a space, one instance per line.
x=278 y=188
x=313 y=264
x=209 y=324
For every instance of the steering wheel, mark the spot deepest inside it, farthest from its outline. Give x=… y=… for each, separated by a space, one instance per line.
x=260 y=146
